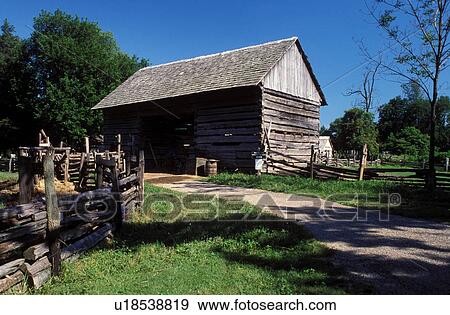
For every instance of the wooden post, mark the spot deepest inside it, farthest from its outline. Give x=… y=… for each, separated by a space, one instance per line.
x=81 y=170
x=86 y=145
x=10 y=164
x=53 y=213
x=66 y=167
x=311 y=163
x=26 y=181
x=127 y=163
x=119 y=149
x=362 y=162
x=141 y=176
x=98 y=171
x=447 y=164
x=118 y=219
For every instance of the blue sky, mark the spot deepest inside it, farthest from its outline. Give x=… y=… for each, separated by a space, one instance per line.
x=163 y=31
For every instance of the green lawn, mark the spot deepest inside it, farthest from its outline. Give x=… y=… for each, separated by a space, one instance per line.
x=8 y=176
x=5 y=178
x=416 y=202
x=161 y=252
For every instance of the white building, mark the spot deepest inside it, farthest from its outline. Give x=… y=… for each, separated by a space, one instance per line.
x=325 y=147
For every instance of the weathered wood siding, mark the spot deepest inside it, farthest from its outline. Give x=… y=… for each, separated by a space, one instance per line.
x=226 y=126
x=291 y=75
x=230 y=130
x=230 y=135
x=293 y=125
x=125 y=121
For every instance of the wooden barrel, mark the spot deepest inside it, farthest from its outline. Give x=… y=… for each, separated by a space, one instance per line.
x=211 y=167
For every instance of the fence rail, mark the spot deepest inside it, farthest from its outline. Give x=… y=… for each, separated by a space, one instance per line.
x=8 y=164
x=38 y=233
x=409 y=176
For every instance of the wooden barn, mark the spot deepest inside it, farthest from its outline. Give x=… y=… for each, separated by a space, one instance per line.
x=224 y=106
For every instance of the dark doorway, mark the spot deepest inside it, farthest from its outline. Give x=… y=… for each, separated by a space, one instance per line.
x=168 y=143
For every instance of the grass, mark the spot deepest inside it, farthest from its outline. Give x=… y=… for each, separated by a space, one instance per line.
x=416 y=202
x=163 y=251
x=4 y=176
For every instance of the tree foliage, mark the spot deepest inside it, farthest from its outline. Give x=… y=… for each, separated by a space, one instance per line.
x=413 y=111
x=410 y=142
x=76 y=65
x=418 y=31
x=53 y=79
x=353 y=130
x=16 y=82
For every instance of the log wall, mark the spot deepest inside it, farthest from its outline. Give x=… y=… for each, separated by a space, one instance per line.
x=226 y=125
x=230 y=133
x=125 y=121
x=291 y=126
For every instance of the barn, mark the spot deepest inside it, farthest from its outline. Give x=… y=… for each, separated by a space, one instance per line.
x=224 y=106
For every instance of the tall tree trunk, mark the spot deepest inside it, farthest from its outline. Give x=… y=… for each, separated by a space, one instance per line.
x=431 y=181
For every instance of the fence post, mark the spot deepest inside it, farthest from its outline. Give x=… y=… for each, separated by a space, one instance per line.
x=141 y=176
x=26 y=181
x=311 y=163
x=66 y=166
x=98 y=171
x=362 y=162
x=119 y=149
x=447 y=163
x=53 y=214
x=116 y=192
x=86 y=145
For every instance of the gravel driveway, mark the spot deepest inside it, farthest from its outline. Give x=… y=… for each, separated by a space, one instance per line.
x=396 y=255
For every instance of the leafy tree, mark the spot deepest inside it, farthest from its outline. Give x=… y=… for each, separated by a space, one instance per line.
x=419 y=31
x=410 y=142
x=413 y=111
x=353 y=130
x=16 y=83
x=391 y=117
x=76 y=65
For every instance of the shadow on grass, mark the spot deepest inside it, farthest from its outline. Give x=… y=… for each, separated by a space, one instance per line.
x=275 y=246
x=417 y=202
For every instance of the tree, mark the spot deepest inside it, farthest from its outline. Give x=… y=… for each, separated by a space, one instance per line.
x=353 y=130
x=75 y=65
x=413 y=111
x=366 y=91
x=419 y=32
x=410 y=142
x=15 y=85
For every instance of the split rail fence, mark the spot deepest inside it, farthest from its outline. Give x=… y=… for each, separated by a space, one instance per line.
x=39 y=233
x=351 y=170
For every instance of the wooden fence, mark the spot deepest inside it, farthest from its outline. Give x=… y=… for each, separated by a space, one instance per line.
x=8 y=164
x=350 y=170
x=38 y=234
x=410 y=176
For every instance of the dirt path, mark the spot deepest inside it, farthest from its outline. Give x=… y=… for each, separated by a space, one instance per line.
x=396 y=255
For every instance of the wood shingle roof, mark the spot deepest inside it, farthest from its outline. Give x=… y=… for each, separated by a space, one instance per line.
x=235 y=68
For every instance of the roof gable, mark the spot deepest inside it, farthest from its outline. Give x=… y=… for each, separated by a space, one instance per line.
x=293 y=75
x=236 y=68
